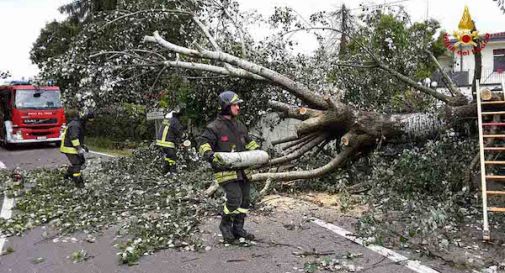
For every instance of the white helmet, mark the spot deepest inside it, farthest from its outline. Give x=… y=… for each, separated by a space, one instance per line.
x=169 y=115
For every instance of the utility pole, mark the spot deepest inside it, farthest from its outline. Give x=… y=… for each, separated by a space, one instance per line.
x=344 y=29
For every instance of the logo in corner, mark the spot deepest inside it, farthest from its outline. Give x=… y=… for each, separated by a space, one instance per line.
x=466 y=36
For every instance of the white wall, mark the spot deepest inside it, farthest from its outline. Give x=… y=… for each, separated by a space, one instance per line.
x=488 y=76
x=281 y=129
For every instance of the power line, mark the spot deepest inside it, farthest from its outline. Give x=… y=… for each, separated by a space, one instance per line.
x=381 y=5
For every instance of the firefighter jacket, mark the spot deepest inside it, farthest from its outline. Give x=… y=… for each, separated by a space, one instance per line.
x=170 y=133
x=225 y=135
x=72 y=137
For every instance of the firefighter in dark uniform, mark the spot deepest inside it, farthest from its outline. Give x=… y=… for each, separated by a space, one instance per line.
x=168 y=137
x=72 y=145
x=227 y=134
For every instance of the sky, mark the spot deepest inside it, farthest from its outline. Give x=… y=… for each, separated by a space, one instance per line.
x=22 y=20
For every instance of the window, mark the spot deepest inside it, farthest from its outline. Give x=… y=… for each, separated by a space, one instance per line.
x=37 y=99
x=499 y=60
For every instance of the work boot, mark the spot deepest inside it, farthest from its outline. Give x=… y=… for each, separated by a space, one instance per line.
x=226 y=226
x=238 y=227
x=79 y=182
x=67 y=176
x=173 y=168
x=166 y=168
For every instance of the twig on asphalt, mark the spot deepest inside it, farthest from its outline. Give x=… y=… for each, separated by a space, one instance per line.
x=236 y=260
x=313 y=253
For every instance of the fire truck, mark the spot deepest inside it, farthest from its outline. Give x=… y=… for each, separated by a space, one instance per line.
x=30 y=113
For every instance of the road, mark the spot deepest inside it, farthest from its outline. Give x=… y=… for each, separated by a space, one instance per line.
x=282 y=234
x=32 y=156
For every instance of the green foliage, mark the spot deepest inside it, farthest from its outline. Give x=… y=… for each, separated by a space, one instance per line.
x=54 y=39
x=79 y=256
x=38 y=260
x=130 y=252
x=108 y=146
x=420 y=189
x=4 y=74
x=123 y=125
x=107 y=63
x=438 y=167
x=82 y=10
x=9 y=250
x=98 y=80
x=310 y=267
x=151 y=211
x=400 y=45
x=334 y=263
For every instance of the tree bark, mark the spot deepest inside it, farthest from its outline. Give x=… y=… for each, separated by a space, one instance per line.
x=325 y=119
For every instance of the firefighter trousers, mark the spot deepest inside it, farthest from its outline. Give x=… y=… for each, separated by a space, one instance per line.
x=169 y=156
x=238 y=197
x=76 y=162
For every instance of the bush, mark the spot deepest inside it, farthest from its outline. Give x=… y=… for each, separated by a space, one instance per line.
x=122 y=124
x=417 y=193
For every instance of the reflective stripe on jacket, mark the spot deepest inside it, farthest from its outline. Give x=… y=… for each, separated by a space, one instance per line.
x=170 y=133
x=225 y=135
x=72 y=137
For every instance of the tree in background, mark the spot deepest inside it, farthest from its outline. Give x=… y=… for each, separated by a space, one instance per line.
x=501 y=5
x=405 y=47
x=103 y=62
x=4 y=74
x=83 y=10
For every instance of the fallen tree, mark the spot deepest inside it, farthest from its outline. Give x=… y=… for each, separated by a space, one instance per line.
x=325 y=117
x=217 y=28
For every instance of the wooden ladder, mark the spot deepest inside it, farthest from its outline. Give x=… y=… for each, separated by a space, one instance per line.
x=494 y=149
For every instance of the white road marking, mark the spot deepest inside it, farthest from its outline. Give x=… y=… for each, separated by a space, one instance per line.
x=7 y=206
x=6 y=211
x=388 y=253
x=98 y=153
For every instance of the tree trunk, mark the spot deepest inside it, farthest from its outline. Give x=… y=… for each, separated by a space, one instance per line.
x=326 y=119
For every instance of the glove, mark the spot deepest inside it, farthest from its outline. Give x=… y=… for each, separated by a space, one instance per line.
x=216 y=161
x=81 y=151
x=85 y=148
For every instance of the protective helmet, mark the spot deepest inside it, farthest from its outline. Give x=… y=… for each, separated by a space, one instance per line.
x=228 y=98
x=169 y=115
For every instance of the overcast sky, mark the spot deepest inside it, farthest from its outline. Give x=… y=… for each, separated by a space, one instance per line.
x=21 y=20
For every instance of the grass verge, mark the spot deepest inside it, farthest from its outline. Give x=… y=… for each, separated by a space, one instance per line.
x=108 y=146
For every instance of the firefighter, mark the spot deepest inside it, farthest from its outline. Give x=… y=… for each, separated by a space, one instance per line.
x=227 y=134
x=168 y=137
x=72 y=145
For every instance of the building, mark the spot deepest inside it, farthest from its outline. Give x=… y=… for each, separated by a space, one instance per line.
x=460 y=63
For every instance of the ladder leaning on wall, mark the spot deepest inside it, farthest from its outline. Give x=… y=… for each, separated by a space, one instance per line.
x=497 y=102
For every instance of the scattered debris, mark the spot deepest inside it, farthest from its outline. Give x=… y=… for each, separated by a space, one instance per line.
x=313 y=253
x=79 y=256
x=236 y=260
x=151 y=211
x=38 y=260
x=8 y=250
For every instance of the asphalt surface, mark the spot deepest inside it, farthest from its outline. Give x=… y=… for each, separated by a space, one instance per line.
x=274 y=253
x=32 y=156
x=281 y=234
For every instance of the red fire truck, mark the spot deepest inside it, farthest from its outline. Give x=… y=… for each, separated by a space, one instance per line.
x=30 y=113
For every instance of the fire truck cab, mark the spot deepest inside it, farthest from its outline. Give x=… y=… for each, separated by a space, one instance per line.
x=30 y=113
